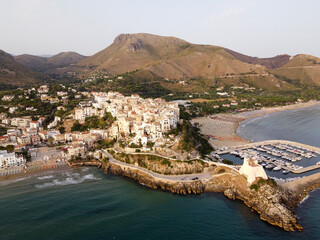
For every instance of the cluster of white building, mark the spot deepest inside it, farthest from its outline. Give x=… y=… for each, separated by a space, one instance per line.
x=26 y=131
x=10 y=159
x=134 y=115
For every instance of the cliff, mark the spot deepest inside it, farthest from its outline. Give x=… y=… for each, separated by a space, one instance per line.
x=267 y=201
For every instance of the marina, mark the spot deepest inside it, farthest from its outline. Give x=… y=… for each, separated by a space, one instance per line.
x=280 y=158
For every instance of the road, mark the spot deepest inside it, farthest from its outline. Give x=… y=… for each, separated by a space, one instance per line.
x=187 y=177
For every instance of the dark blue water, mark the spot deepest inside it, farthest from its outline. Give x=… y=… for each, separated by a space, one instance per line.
x=87 y=204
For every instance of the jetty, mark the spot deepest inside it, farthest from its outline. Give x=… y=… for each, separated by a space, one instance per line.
x=276 y=154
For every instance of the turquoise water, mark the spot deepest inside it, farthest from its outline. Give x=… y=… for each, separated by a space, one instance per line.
x=84 y=203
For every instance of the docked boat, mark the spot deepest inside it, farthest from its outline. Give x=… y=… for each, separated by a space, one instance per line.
x=269 y=166
x=285 y=171
x=277 y=168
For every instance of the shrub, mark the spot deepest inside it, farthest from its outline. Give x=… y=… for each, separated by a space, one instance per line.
x=271 y=182
x=226 y=161
x=255 y=187
x=166 y=162
x=138 y=150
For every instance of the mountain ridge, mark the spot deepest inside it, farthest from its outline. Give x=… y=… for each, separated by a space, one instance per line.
x=173 y=58
x=50 y=65
x=16 y=74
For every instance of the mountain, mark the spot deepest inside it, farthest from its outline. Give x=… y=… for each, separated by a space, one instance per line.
x=33 y=62
x=269 y=63
x=176 y=59
x=15 y=74
x=56 y=64
x=166 y=57
x=169 y=60
x=302 y=69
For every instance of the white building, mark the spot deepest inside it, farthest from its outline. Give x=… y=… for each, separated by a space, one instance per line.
x=7 y=97
x=43 y=89
x=10 y=159
x=135 y=115
x=252 y=170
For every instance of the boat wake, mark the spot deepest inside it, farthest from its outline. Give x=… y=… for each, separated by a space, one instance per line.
x=75 y=179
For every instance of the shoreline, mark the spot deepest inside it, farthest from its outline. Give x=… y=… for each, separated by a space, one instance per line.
x=267 y=202
x=222 y=128
x=274 y=204
x=32 y=173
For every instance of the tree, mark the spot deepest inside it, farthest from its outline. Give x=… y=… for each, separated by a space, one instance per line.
x=62 y=129
x=10 y=148
x=76 y=127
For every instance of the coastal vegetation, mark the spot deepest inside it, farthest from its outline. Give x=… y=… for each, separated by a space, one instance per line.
x=191 y=139
x=162 y=165
x=227 y=161
x=262 y=182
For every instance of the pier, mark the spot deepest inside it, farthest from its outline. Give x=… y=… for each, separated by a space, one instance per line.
x=284 y=150
x=306 y=169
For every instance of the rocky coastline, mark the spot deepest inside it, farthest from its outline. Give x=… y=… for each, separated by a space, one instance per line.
x=270 y=202
x=299 y=189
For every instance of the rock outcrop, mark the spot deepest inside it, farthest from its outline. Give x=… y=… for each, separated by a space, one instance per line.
x=297 y=190
x=270 y=202
x=267 y=201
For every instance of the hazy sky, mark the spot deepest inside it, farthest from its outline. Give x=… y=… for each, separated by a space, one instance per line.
x=261 y=28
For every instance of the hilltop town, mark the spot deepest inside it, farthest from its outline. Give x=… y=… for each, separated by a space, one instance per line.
x=82 y=124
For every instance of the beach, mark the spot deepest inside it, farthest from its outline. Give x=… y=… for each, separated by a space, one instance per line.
x=222 y=128
x=35 y=169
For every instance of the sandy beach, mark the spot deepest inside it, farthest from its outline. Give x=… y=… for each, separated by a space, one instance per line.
x=28 y=174
x=222 y=128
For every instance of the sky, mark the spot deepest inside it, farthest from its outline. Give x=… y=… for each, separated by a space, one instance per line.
x=261 y=28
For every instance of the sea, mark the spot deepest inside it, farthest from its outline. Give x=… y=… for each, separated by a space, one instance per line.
x=84 y=203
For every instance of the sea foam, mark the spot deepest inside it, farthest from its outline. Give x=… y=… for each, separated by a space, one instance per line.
x=67 y=181
x=13 y=181
x=45 y=177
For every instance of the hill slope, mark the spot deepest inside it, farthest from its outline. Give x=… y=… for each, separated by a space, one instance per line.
x=166 y=57
x=56 y=64
x=13 y=73
x=300 y=70
x=174 y=58
x=270 y=63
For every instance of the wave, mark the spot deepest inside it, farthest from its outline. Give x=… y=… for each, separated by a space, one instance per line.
x=45 y=177
x=283 y=180
x=13 y=181
x=303 y=200
x=67 y=181
x=70 y=174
